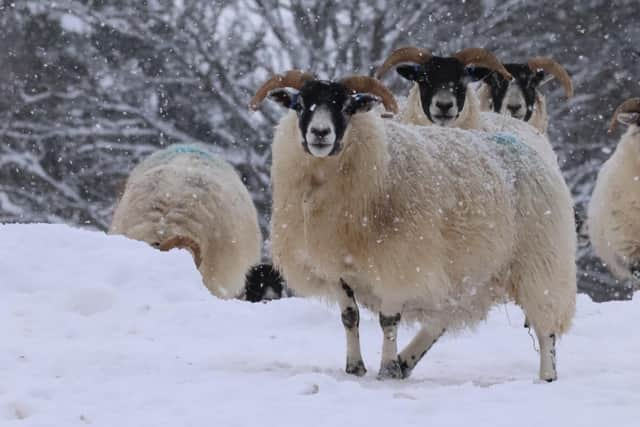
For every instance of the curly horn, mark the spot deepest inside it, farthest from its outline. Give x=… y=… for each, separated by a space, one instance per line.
x=556 y=70
x=404 y=54
x=366 y=84
x=292 y=78
x=631 y=105
x=480 y=56
x=183 y=243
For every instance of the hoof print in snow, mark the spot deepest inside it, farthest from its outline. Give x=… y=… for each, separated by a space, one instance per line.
x=90 y=301
x=356 y=368
x=18 y=411
x=310 y=390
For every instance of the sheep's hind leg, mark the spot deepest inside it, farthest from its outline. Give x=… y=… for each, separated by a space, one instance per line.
x=417 y=348
x=389 y=364
x=548 y=370
x=634 y=269
x=351 y=322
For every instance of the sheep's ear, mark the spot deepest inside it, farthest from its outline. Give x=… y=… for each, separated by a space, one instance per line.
x=286 y=98
x=629 y=118
x=409 y=71
x=360 y=103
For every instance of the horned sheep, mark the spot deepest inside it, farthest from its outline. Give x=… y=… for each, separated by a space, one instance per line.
x=442 y=94
x=185 y=196
x=521 y=97
x=614 y=210
x=423 y=224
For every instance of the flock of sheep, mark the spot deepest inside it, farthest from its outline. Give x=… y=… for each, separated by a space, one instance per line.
x=429 y=212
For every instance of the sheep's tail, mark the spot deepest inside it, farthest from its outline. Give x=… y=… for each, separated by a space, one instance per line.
x=182 y=242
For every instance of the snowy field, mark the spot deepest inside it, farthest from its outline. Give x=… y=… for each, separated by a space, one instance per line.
x=98 y=330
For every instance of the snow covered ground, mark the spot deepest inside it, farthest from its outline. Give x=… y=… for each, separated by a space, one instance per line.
x=98 y=330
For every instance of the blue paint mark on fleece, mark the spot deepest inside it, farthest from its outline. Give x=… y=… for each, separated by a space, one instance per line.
x=506 y=139
x=189 y=149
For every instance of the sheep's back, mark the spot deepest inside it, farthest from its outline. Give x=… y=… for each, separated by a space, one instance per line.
x=188 y=191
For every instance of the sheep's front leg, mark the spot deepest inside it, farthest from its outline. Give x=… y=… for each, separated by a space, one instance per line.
x=351 y=322
x=548 y=370
x=417 y=348
x=389 y=365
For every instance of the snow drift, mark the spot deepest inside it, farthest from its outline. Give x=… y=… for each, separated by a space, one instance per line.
x=90 y=337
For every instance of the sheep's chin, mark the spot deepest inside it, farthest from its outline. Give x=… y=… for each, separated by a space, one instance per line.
x=320 y=149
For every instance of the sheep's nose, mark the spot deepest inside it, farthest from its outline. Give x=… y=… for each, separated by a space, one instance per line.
x=444 y=106
x=513 y=108
x=320 y=133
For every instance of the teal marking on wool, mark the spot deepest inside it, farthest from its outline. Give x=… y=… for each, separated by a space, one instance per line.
x=511 y=142
x=179 y=149
x=505 y=139
x=189 y=149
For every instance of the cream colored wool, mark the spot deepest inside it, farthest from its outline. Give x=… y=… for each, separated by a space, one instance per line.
x=539 y=118
x=439 y=224
x=471 y=117
x=614 y=209
x=186 y=191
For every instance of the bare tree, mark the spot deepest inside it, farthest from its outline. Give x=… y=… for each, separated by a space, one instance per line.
x=89 y=87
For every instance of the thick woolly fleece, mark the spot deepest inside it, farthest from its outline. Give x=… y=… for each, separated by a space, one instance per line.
x=187 y=191
x=437 y=223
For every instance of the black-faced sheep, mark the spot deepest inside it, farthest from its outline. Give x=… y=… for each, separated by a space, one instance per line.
x=521 y=97
x=442 y=94
x=426 y=224
x=185 y=196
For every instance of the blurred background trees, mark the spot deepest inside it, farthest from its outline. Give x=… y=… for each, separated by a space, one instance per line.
x=89 y=87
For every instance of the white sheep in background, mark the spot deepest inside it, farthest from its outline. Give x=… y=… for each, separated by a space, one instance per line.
x=442 y=94
x=185 y=196
x=614 y=209
x=521 y=97
x=424 y=224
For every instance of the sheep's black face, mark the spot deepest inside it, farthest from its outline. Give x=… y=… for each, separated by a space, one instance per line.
x=443 y=87
x=324 y=110
x=516 y=98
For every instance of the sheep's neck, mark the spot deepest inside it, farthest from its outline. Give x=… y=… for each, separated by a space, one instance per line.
x=356 y=174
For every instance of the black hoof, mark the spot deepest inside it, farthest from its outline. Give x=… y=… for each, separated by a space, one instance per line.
x=356 y=368
x=550 y=380
x=404 y=366
x=391 y=370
